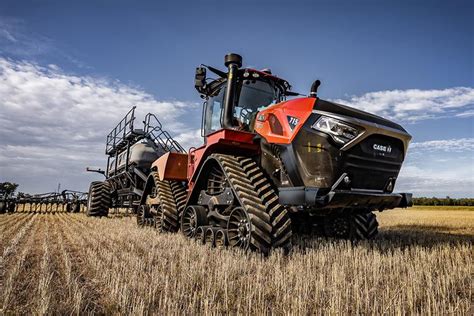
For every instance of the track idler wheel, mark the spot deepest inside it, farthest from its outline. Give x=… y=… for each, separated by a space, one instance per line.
x=199 y=236
x=220 y=238
x=193 y=217
x=210 y=236
x=239 y=229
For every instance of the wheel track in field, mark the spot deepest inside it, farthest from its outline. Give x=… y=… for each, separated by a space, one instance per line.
x=12 y=272
x=110 y=243
x=82 y=297
x=26 y=280
x=9 y=228
x=6 y=219
x=14 y=237
x=107 y=258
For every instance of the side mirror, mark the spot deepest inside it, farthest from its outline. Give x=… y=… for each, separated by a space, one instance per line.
x=200 y=79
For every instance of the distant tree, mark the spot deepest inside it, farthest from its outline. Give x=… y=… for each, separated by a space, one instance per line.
x=8 y=188
x=443 y=201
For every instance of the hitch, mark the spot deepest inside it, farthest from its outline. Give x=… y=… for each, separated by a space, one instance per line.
x=102 y=172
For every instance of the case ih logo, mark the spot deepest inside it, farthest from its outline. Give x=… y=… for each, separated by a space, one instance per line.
x=382 y=148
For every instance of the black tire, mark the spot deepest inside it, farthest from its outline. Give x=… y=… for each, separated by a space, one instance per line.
x=356 y=226
x=76 y=208
x=68 y=207
x=365 y=226
x=3 y=207
x=99 y=199
x=11 y=207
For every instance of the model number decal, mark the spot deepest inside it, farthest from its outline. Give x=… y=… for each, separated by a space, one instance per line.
x=293 y=121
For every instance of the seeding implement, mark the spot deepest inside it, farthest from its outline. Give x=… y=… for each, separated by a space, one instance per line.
x=269 y=167
x=65 y=201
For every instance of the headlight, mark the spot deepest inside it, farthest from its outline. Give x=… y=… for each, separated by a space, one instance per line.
x=339 y=131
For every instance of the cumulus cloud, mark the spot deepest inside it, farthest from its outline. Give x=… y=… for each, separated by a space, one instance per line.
x=439 y=168
x=451 y=145
x=415 y=104
x=54 y=124
x=454 y=180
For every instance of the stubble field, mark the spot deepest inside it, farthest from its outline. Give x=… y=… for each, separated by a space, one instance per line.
x=62 y=263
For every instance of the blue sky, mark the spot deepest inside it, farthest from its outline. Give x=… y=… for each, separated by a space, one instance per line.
x=411 y=61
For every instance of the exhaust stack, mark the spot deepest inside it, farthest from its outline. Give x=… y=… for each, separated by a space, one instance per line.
x=233 y=62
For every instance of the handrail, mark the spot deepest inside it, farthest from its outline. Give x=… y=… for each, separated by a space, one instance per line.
x=121 y=131
x=152 y=128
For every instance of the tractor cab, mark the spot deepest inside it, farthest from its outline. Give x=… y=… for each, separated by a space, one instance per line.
x=234 y=99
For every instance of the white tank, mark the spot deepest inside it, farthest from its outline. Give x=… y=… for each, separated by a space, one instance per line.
x=141 y=155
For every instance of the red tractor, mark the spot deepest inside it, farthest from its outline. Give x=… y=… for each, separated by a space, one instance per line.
x=272 y=167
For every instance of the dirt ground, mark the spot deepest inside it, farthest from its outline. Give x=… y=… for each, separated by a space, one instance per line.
x=421 y=262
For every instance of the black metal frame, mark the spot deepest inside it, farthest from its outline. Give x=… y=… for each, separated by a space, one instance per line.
x=129 y=182
x=67 y=200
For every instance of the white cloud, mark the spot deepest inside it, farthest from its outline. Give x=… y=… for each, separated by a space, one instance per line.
x=439 y=168
x=54 y=124
x=190 y=139
x=453 y=180
x=451 y=145
x=415 y=104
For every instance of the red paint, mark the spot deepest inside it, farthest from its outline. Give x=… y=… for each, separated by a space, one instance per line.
x=298 y=108
x=224 y=141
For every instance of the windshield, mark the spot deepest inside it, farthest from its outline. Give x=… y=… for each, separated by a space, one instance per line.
x=254 y=96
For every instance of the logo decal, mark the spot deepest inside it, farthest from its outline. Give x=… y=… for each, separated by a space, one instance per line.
x=383 y=148
x=293 y=121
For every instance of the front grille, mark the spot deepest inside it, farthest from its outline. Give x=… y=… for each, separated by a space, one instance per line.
x=371 y=163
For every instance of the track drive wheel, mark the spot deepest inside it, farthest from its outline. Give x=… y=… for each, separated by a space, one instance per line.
x=193 y=217
x=99 y=199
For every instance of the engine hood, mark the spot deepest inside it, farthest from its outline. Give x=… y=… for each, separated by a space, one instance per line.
x=327 y=106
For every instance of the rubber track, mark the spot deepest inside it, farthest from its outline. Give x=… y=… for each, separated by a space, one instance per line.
x=365 y=226
x=180 y=195
x=170 y=219
x=100 y=199
x=280 y=220
x=272 y=225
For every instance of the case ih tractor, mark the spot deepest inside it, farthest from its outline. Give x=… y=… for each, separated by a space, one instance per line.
x=269 y=167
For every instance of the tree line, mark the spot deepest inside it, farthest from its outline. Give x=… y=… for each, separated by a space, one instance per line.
x=447 y=201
